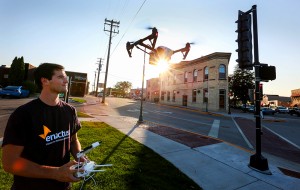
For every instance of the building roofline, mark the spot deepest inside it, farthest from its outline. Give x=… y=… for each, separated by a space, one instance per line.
x=215 y=55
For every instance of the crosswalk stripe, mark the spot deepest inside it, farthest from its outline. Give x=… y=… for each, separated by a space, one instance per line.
x=214 y=130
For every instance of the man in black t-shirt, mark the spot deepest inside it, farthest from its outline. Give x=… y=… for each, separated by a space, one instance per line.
x=40 y=136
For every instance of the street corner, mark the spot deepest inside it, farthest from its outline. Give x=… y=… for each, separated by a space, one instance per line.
x=190 y=139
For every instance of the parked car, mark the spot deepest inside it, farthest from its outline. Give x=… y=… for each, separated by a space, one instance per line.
x=267 y=111
x=251 y=109
x=294 y=111
x=282 y=109
x=14 y=91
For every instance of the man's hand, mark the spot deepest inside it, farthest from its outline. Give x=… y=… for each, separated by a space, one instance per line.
x=66 y=174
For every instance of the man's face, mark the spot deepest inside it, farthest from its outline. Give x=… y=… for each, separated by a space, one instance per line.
x=59 y=82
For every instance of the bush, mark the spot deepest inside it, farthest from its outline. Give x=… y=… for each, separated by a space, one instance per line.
x=29 y=85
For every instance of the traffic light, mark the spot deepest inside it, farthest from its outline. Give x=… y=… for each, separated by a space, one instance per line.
x=261 y=94
x=267 y=73
x=244 y=41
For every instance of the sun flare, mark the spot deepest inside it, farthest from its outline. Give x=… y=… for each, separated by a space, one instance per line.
x=162 y=65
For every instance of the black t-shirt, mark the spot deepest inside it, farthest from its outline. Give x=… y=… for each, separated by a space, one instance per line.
x=45 y=133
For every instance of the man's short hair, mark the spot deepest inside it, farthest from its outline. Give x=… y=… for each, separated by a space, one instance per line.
x=45 y=70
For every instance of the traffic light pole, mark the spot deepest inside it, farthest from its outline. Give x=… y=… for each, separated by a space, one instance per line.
x=257 y=161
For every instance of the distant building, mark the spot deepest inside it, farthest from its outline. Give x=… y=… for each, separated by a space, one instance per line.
x=137 y=92
x=276 y=100
x=4 y=72
x=79 y=84
x=153 y=89
x=295 y=97
x=201 y=83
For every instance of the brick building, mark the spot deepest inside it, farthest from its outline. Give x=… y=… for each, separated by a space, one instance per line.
x=295 y=97
x=201 y=83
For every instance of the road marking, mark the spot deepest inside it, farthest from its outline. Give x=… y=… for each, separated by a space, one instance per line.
x=134 y=110
x=163 y=112
x=282 y=137
x=241 y=132
x=214 y=130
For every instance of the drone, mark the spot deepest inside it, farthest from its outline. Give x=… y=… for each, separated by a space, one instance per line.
x=158 y=53
x=84 y=169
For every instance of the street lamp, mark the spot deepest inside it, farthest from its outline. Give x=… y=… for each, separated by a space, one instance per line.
x=206 y=106
x=141 y=108
x=229 y=111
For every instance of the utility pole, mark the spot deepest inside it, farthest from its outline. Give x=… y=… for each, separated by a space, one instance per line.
x=113 y=24
x=99 y=69
x=94 y=89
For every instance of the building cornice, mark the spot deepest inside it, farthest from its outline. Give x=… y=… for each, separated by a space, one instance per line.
x=216 y=55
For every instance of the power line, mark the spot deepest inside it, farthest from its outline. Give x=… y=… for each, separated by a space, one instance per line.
x=129 y=25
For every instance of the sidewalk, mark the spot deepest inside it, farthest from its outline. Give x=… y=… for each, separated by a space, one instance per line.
x=215 y=166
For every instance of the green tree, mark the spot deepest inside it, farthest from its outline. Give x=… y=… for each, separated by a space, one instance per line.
x=240 y=82
x=17 y=72
x=122 y=88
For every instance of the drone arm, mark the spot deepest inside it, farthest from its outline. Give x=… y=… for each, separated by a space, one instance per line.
x=184 y=50
x=152 y=39
x=185 y=53
x=147 y=47
x=129 y=48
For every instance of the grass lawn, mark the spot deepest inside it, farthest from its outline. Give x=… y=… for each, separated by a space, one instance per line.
x=135 y=167
x=79 y=100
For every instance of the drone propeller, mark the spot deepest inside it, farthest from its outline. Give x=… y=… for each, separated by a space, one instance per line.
x=192 y=43
x=149 y=28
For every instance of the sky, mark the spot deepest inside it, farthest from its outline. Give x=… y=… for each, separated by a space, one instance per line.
x=71 y=33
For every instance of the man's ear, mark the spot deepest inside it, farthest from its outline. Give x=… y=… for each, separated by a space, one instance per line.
x=44 y=81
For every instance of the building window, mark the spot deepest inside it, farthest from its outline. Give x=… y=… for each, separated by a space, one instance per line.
x=222 y=99
x=222 y=72
x=195 y=74
x=174 y=94
x=185 y=77
x=174 y=79
x=205 y=95
x=194 y=95
x=162 y=97
x=205 y=73
x=168 y=96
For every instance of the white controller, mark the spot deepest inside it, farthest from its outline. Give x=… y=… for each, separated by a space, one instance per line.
x=84 y=169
